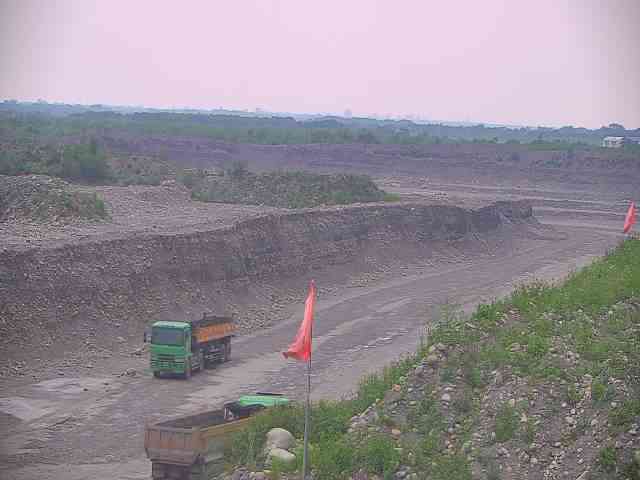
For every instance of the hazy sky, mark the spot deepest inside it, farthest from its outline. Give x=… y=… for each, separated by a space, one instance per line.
x=550 y=62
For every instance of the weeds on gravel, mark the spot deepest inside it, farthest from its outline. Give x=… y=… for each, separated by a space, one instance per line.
x=287 y=189
x=602 y=391
x=607 y=458
x=448 y=374
x=506 y=423
x=573 y=395
x=427 y=417
x=623 y=415
x=373 y=387
x=464 y=404
x=529 y=431
x=448 y=467
x=378 y=455
x=332 y=459
x=493 y=471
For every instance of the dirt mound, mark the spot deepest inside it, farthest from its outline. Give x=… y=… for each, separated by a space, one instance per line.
x=288 y=189
x=117 y=286
x=42 y=199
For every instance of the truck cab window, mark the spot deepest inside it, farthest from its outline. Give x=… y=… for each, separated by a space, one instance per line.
x=167 y=336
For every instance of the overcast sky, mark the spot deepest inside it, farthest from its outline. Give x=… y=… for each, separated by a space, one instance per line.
x=537 y=62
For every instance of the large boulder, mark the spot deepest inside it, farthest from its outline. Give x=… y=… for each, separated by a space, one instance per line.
x=279 y=438
x=282 y=456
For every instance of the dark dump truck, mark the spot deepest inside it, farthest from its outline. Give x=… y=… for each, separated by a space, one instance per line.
x=192 y=447
x=183 y=347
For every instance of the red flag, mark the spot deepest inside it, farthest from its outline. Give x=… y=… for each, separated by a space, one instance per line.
x=630 y=218
x=300 y=349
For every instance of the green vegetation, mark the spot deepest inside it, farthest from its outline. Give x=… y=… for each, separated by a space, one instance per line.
x=569 y=312
x=584 y=312
x=506 y=423
x=85 y=163
x=68 y=140
x=623 y=415
x=607 y=458
x=378 y=455
x=41 y=199
x=283 y=189
x=78 y=162
x=332 y=455
x=23 y=121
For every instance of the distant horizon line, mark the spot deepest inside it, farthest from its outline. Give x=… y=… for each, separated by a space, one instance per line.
x=263 y=112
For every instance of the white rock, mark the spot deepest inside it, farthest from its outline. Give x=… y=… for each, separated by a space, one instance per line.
x=432 y=358
x=279 y=438
x=282 y=456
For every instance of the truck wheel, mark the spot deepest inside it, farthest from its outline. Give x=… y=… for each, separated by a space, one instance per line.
x=156 y=374
x=187 y=370
x=227 y=351
x=200 y=360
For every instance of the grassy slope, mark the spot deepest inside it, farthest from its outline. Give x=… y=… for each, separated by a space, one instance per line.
x=287 y=189
x=45 y=199
x=544 y=380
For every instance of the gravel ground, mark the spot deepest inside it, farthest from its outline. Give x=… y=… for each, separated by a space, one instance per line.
x=134 y=210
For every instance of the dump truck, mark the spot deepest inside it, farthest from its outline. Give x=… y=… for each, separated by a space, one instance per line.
x=192 y=447
x=184 y=347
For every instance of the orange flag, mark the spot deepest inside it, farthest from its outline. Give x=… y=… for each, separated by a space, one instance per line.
x=300 y=349
x=630 y=218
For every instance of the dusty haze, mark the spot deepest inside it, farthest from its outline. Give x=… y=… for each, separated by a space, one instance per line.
x=535 y=63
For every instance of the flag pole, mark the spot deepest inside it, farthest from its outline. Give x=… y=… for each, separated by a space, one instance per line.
x=307 y=408
x=300 y=349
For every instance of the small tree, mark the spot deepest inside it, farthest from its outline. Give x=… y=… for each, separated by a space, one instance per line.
x=237 y=169
x=79 y=162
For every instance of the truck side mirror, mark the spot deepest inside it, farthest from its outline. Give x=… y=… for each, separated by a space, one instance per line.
x=147 y=337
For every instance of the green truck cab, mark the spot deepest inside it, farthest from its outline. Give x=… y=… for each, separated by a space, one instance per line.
x=183 y=347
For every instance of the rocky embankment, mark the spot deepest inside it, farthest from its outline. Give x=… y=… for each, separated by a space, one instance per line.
x=79 y=291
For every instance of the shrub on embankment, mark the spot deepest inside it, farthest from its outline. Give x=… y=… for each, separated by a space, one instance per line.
x=284 y=189
x=544 y=383
x=42 y=199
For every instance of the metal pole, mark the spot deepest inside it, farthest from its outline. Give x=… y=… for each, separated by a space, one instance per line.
x=307 y=408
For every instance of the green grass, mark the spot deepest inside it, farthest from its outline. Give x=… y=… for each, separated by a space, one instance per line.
x=506 y=423
x=330 y=421
x=607 y=458
x=528 y=432
x=285 y=189
x=623 y=415
x=58 y=204
x=449 y=467
x=378 y=455
x=581 y=313
x=574 y=395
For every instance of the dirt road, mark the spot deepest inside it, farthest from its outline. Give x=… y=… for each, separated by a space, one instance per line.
x=91 y=426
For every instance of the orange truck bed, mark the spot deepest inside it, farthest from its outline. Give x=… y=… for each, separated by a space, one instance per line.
x=208 y=333
x=190 y=447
